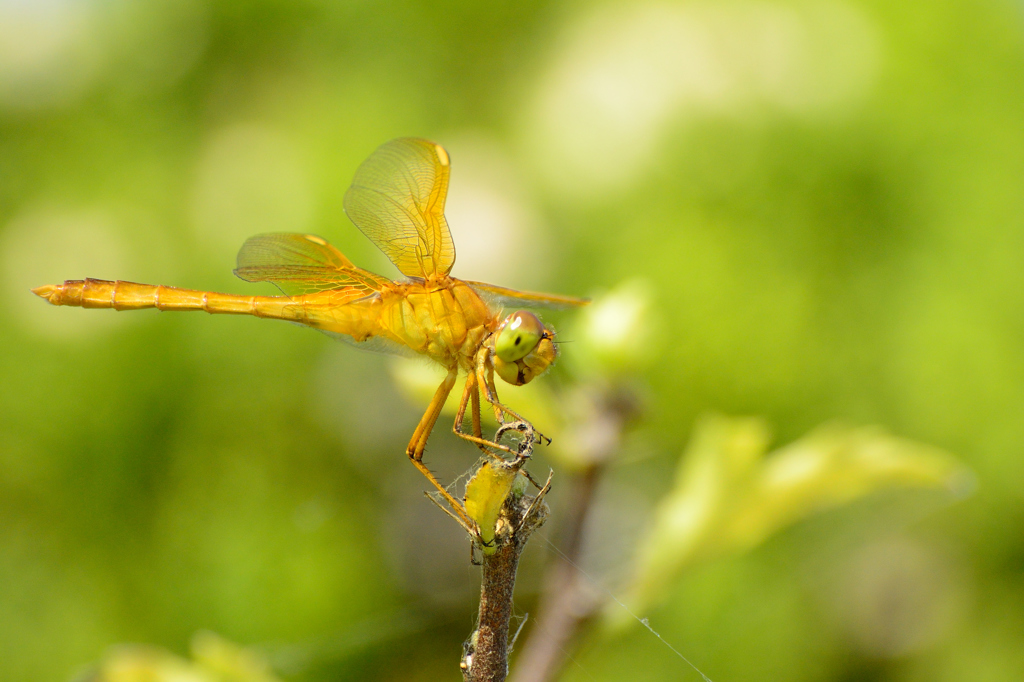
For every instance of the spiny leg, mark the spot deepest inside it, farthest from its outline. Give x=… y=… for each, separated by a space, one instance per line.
x=475 y=397
x=484 y=443
x=419 y=437
x=419 y=442
x=486 y=379
x=471 y=395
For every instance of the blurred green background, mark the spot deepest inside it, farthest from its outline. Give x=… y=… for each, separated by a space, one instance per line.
x=826 y=200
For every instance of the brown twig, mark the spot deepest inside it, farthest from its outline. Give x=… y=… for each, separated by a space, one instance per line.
x=485 y=658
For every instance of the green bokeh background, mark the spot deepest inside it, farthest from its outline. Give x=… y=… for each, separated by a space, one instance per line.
x=827 y=200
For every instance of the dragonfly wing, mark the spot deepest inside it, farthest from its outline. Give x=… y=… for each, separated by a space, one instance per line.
x=504 y=297
x=302 y=264
x=397 y=200
x=307 y=264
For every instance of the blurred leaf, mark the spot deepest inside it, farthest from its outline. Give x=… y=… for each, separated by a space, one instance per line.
x=729 y=496
x=228 y=662
x=215 y=660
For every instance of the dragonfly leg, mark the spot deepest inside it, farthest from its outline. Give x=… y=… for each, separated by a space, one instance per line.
x=500 y=410
x=471 y=396
x=419 y=443
x=483 y=443
x=485 y=378
x=475 y=399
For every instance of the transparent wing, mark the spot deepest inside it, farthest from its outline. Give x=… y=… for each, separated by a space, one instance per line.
x=397 y=200
x=510 y=298
x=302 y=264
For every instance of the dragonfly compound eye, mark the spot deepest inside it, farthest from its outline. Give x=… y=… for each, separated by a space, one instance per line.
x=519 y=334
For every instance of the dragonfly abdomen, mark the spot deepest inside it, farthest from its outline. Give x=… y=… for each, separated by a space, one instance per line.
x=120 y=295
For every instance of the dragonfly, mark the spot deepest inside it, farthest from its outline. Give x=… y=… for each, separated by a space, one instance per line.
x=397 y=200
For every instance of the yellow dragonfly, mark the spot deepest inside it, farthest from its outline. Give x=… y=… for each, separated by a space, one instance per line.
x=397 y=200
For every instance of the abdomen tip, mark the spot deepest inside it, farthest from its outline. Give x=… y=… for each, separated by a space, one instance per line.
x=46 y=291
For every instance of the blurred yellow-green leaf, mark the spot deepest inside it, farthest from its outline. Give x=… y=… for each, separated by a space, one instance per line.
x=730 y=494
x=214 y=659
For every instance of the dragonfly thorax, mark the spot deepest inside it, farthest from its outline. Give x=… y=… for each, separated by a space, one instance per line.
x=444 y=320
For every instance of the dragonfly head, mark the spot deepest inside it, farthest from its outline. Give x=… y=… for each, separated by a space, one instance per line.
x=523 y=348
